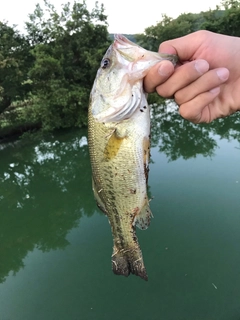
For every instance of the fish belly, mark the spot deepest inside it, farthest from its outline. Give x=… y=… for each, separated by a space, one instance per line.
x=119 y=156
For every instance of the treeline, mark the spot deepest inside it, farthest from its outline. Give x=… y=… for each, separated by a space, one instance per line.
x=46 y=74
x=225 y=19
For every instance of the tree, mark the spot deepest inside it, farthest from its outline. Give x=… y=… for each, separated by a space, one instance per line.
x=225 y=21
x=15 y=61
x=169 y=28
x=67 y=49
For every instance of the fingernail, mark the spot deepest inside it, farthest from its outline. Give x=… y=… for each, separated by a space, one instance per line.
x=215 y=90
x=201 y=66
x=163 y=70
x=223 y=74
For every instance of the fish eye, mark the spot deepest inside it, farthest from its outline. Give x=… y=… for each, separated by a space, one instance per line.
x=105 y=63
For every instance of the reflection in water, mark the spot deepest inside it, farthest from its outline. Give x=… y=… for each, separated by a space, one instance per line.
x=46 y=185
x=44 y=193
x=178 y=137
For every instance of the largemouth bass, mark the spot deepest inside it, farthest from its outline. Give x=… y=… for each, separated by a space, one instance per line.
x=119 y=145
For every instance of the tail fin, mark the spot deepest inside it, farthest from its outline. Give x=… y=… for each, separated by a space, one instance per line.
x=125 y=262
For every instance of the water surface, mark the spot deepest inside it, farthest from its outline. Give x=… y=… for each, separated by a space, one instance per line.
x=55 y=245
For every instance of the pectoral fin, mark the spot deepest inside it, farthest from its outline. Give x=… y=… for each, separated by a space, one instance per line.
x=142 y=220
x=113 y=145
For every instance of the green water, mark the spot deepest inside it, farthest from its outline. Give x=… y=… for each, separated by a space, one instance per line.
x=55 y=245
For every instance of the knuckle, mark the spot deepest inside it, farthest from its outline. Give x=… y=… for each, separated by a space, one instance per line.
x=164 y=91
x=178 y=98
x=186 y=113
x=202 y=34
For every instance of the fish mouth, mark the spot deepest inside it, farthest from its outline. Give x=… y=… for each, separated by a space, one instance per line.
x=134 y=53
x=133 y=58
x=121 y=40
x=127 y=49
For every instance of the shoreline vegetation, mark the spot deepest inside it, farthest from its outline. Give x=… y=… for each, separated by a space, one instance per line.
x=46 y=74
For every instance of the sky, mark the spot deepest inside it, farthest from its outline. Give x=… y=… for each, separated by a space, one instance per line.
x=124 y=16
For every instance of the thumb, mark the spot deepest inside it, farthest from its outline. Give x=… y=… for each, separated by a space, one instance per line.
x=185 y=47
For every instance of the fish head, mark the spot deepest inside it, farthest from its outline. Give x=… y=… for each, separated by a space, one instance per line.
x=111 y=72
x=117 y=91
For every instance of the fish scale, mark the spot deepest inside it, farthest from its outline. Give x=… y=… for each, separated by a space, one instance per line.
x=117 y=177
x=119 y=144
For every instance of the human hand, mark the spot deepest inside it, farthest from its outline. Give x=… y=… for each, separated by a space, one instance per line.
x=206 y=85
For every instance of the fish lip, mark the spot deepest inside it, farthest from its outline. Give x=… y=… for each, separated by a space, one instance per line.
x=121 y=43
x=120 y=39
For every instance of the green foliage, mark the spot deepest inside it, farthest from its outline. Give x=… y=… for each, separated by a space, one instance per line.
x=49 y=72
x=169 y=28
x=225 y=21
x=15 y=60
x=18 y=118
x=67 y=50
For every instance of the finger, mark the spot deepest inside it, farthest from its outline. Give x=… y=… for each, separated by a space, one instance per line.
x=206 y=82
x=185 y=47
x=200 y=108
x=157 y=75
x=182 y=77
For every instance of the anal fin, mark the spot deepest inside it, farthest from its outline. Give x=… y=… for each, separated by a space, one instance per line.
x=143 y=218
